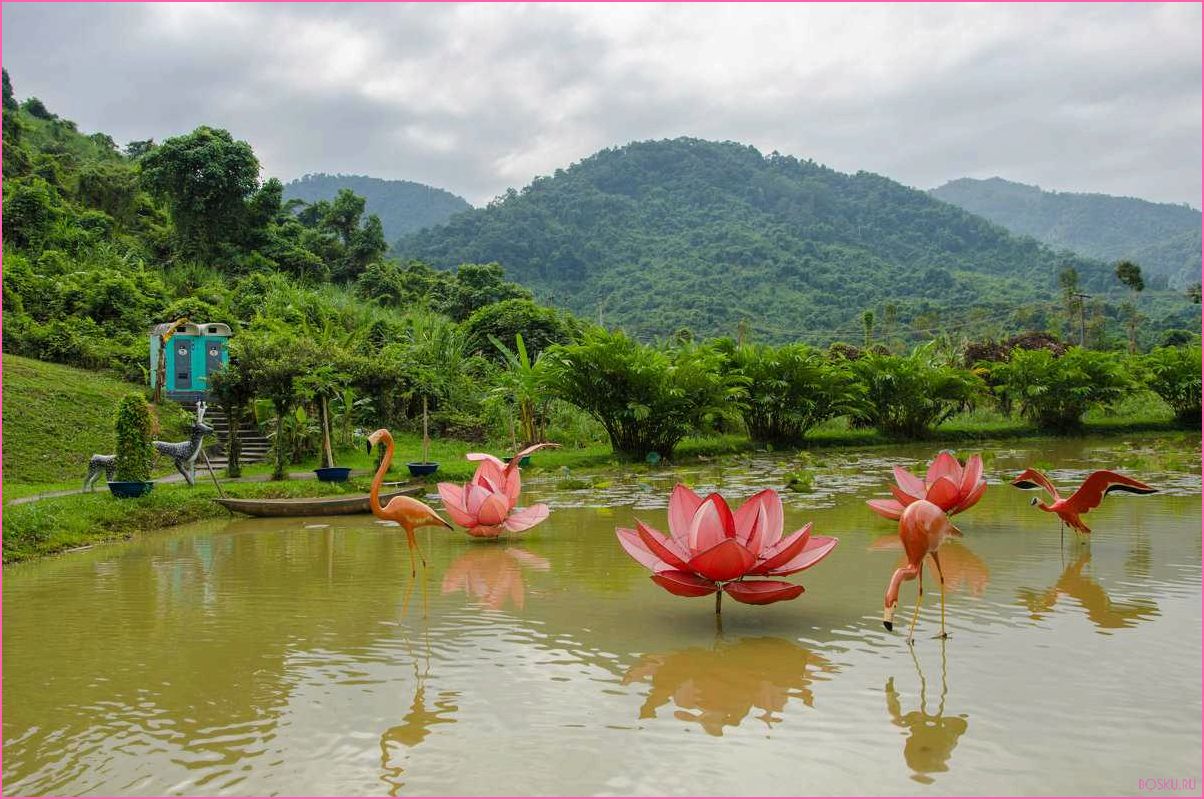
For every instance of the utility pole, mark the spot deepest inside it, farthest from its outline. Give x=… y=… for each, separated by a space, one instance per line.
x=1082 y=316
x=740 y=332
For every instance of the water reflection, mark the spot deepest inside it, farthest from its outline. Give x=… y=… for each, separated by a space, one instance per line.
x=719 y=686
x=931 y=737
x=397 y=742
x=493 y=575
x=1101 y=610
x=963 y=570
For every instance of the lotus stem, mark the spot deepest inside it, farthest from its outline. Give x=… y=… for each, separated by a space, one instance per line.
x=718 y=601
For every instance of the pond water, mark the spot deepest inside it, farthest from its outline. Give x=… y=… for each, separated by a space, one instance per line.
x=294 y=656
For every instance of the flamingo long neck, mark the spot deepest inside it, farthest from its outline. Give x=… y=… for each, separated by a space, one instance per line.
x=379 y=479
x=892 y=591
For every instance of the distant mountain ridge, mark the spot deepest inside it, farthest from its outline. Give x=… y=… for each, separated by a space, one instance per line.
x=402 y=205
x=1164 y=239
x=657 y=236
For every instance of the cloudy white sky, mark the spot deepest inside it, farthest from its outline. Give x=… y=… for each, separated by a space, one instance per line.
x=478 y=98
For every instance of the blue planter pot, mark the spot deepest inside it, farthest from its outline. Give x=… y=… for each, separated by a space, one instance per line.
x=333 y=474
x=523 y=462
x=130 y=490
x=422 y=469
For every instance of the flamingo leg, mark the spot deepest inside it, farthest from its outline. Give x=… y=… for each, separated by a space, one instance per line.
x=940 y=574
x=919 y=596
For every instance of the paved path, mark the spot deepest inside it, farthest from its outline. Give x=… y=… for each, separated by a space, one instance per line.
x=201 y=476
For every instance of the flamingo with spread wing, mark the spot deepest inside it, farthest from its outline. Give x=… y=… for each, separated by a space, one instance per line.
x=1089 y=495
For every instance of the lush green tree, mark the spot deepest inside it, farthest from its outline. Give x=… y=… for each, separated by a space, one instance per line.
x=30 y=210
x=205 y=178
x=646 y=398
x=234 y=389
x=1173 y=373
x=478 y=285
x=790 y=389
x=112 y=188
x=867 y=324
x=1054 y=392
x=139 y=147
x=908 y=395
x=539 y=326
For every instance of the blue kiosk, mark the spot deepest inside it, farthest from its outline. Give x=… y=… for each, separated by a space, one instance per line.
x=193 y=351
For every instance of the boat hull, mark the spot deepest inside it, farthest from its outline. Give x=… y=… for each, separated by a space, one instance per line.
x=314 y=506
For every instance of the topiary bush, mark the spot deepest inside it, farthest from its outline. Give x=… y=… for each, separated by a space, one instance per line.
x=134 y=430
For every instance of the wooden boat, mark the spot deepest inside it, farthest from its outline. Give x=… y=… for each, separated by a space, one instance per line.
x=315 y=506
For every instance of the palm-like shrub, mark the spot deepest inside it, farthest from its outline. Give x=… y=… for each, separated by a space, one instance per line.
x=791 y=389
x=1054 y=392
x=908 y=395
x=646 y=398
x=134 y=451
x=1173 y=373
x=522 y=383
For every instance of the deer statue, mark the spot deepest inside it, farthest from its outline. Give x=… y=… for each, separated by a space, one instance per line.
x=184 y=453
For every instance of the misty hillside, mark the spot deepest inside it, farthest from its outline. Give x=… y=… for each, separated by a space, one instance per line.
x=1164 y=239
x=402 y=205
x=661 y=235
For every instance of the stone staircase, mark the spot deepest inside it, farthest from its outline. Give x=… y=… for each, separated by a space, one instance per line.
x=255 y=448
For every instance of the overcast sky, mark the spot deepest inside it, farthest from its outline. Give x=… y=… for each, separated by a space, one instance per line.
x=479 y=98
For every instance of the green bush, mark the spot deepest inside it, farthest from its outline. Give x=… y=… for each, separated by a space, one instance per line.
x=1054 y=392
x=540 y=327
x=134 y=451
x=1173 y=373
x=790 y=389
x=646 y=398
x=908 y=395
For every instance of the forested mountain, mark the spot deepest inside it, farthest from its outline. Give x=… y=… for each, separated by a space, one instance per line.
x=1164 y=239
x=402 y=205
x=662 y=235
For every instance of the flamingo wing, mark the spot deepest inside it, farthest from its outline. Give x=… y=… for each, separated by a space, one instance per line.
x=1031 y=479
x=1099 y=484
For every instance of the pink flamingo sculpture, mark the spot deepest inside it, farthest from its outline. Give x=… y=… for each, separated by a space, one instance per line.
x=948 y=484
x=923 y=527
x=1089 y=495
x=710 y=548
x=485 y=505
x=406 y=511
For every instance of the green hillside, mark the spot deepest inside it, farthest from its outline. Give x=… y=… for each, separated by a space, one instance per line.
x=1163 y=238
x=402 y=205
x=56 y=417
x=656 y=236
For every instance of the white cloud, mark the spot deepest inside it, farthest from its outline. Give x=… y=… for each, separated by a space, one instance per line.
x=478 y=98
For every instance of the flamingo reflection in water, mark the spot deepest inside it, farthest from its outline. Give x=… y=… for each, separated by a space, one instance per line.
x=1091 y=596
x=719 y=686
x=493 y=576
x=931 y=737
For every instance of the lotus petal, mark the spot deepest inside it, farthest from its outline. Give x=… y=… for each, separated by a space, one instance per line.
x=526 y=518
x=944 y=465
x=784 y=552
x=638 y=550
x=727 y=560
x=453 y=503
x=817 y=548
x=944 y=493
x=746 y=515
x=684 y=583
x=707 y=528
x=513 y=465
x=486 y=531
x=904 y=498
x=513 y=487
x=485 y=456
x=762 y=592
x=474 y=497
x=971 y=500
x=657 y=544
x=493 y=510
x=971 y=475
x=683 y=504
x=909 y=483
x=888 y=508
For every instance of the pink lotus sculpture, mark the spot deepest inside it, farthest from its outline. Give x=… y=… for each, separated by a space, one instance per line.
x=711 y=548
x=485 y=505
x=948 y=485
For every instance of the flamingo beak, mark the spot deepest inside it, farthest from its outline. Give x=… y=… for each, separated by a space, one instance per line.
x=368 y=446
x=888 y=615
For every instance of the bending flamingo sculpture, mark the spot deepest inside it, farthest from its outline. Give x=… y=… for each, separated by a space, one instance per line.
x=923 y=527
x=948 y=484
x=1089 y=495
x=485 y=505
x=406 y=511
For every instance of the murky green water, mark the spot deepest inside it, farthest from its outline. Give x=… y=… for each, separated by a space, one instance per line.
x=257 y=657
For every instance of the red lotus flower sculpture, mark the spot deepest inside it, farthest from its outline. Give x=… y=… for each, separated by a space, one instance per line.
x=485 y=505
x=711 y=548
x=948 y=485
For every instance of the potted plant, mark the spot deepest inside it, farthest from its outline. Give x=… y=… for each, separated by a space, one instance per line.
x=323 y=382
x=134 y=450
x=426 y=466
